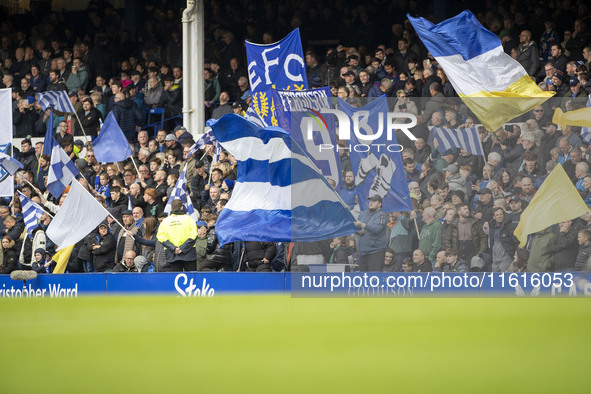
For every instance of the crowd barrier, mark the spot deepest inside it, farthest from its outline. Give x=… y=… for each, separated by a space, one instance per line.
x=343 y=284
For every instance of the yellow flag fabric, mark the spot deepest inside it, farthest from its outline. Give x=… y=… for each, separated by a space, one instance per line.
x=61 y=258
x=580 y=117
x=556 y=201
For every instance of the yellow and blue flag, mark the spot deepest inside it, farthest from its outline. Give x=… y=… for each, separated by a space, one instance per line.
x=490 y=82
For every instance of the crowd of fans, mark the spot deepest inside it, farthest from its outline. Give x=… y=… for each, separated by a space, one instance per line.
x=465 y=207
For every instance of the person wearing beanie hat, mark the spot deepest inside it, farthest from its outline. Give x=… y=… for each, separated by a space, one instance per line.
x=154 y=205
x=558 y=84
x=39 y=263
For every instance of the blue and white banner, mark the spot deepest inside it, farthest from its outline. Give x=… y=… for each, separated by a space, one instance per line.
x=298 y=112
x=6 y=126
x=32 y=213
x=467 y=139
x=279 y=194
x=58 y=100
x=180 y=192
x=274 y=66
x=62 y=171
x=376 y=160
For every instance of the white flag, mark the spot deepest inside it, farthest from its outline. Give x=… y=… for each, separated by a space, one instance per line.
x=77 y=217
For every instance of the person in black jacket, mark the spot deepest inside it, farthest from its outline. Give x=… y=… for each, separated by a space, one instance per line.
x=28 y=158
x=171 y=99
x=103 y=249
x=23 y=118
x=258 y=255
x=584 y=256
x=564 y=246
x=89 y=118
x=127 y=115
x=10 y=255
x=85 y=251
x=501 y=241
x=218 y=258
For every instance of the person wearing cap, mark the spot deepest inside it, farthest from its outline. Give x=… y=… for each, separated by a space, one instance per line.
x=125 y=237
x=371 y=236
x=577 y=96
x=182 y=135
x=178 y=233
x=350 y=83
x=170 y=143
x=103 y=249
x=517 y=206
x=484 y=205
x=201 y=244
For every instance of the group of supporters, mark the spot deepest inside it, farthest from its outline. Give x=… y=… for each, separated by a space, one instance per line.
x=465 y=207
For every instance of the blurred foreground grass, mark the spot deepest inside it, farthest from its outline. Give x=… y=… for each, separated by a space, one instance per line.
x=279 y=344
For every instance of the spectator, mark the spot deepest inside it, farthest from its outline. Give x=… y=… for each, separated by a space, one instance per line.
x=223 y=108
x=103 y=249
x=541 y=258
x=371 y=242
x=127 y=264
x=178 y=233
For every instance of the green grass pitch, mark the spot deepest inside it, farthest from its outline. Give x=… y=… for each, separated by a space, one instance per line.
x=277 y=344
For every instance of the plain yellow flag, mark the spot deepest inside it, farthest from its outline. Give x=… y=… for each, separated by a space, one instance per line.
x=61 y=258
x=556 y=201
x=580 y=117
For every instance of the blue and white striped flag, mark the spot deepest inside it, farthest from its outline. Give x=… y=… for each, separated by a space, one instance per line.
x=58 y=100
x=585 y=131
x=467 y=139
x=9 y=163
x=207 y=138
x=62 y=171
x=279 y=194
x=32 y=213
x=180 y=193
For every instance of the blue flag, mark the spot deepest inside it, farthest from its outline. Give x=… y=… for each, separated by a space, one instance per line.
x=49 y=141
x=377 y=162
x=274 y=66
x=279 y=194
x=298 y=112
x=111 y=146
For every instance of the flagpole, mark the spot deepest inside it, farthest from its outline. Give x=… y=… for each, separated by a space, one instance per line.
x=108 y=213
x=135 y=165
